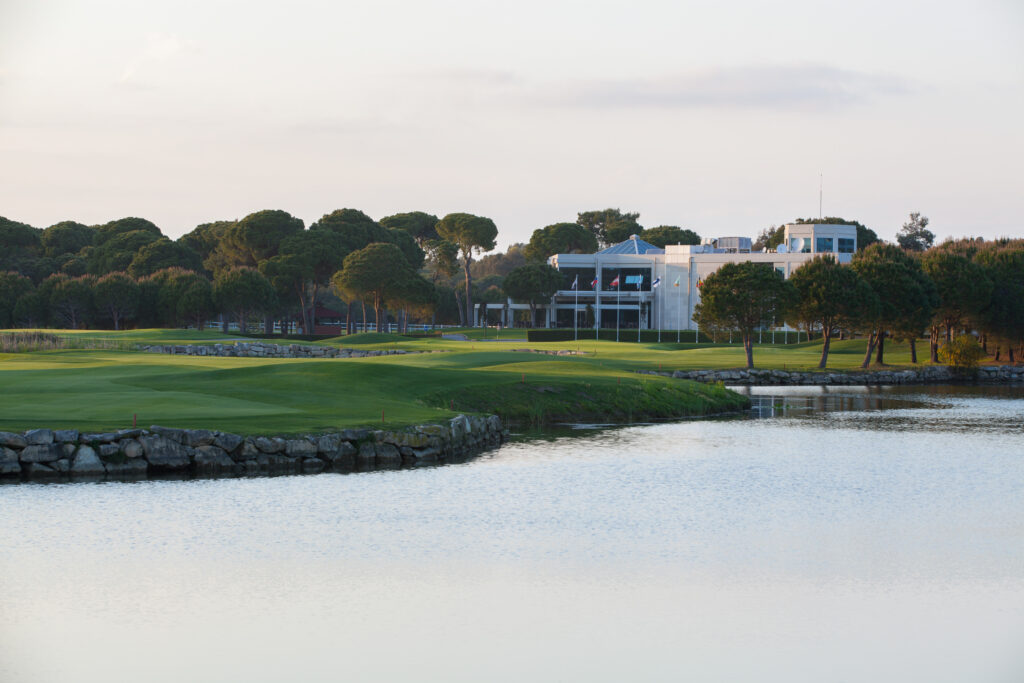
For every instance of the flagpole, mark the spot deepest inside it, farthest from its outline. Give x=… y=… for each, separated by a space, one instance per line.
x=679 y=309
x=639 y=306
x=576 y=310
x=618 y=290
x=658 y=311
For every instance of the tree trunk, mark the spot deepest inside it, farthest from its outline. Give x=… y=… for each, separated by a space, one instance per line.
x=114 y=316
x=871 y=347
x=984 y=342
x=460 y=309
x=241 y=323
x=826 y=340
x=223 y=323
x=748 y=347
x=880 y=357
x=998 y=350
x=268 y=325
x=1009 y=354
x=362 y=302
x=469 y=291
x=913 y=350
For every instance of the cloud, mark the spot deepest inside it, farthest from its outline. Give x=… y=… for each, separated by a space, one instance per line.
x=159 y=48
x=773 y=87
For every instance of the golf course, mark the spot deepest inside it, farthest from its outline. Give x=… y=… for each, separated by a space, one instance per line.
x=98 y=380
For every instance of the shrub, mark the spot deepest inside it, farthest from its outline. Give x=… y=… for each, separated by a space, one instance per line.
x=962 y=353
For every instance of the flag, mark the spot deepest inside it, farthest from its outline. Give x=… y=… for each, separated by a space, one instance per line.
x=576 y=282
x=615 y=282
x=676 y=284
x=593 y=283
x=700 y=283
x=657 y=281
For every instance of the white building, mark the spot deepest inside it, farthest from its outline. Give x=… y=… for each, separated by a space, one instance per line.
x=678 y=269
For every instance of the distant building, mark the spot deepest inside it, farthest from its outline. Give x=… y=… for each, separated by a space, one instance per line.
x=635 y=265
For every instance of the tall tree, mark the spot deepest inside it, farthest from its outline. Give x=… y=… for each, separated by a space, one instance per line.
x=964 y=290
x=13 y=286
x=66 y=238
x=532 y=283
x=1003 y=317
x=243 y=292
x=829 y=296
x=904 y=294
x=471 y=234
x=559 y=238
x=255 y=238
x=915 y=235
x=663 y=235
x=744 y=296
x=370 y=272
x=421 y=226
x=71 y=299
x=163 y=253
x=610 y=226
x=117 y=296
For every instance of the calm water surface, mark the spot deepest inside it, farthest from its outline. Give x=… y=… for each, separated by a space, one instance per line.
x=849 y=535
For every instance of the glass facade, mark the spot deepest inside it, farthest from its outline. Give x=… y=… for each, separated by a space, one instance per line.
x=846 y=245
x=800 y=245
x=586 y=278
x=627 y=282
x=824 y=245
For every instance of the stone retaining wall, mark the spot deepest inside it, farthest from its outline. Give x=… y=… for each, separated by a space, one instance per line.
x=266 y=350
x=932 y=374
x=45 y=454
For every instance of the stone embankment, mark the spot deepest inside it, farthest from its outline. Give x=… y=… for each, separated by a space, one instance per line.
x=265 y=350
x=45 y=454
x=552 y=352
x=932 y=374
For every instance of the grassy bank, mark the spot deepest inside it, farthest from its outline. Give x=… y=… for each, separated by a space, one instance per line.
x=102 y=388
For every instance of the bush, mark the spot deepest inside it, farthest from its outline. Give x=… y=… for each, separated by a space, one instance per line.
x=962 y=353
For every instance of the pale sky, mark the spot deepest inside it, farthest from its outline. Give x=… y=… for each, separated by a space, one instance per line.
x=715 y=116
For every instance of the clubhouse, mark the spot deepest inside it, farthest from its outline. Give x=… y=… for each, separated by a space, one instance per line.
x=636 y=284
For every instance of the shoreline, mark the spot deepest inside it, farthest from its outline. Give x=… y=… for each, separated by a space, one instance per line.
x=933 y=374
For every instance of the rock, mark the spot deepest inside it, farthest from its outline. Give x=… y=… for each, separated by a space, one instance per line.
x=176 y=435
x=66 y=435
x=344 y=456
x=37 y=454
x=132 y=449
x=9 y=462
x=106 y=437
x=248 y=451
x=410 y=439
x=270 y=445
x=37 y=470
x=39 y=437
x=229 y=442
x=367 y=453
x=67 y=450
x=459 y=428
x=328 y=443
x=86 y=462
x=313 y=465
x=198 y=437
x=132 y=467
x=163 y=453
x=108 y=450
x=354 y=435
x=300 y=448
x=128 y=433
x=11 y=440
x=211 y=460
x=387 y=456
x=63 y=465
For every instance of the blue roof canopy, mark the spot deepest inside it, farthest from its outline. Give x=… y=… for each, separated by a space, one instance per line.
x=634 y=245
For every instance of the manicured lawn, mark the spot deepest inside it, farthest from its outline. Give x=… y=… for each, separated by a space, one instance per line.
x=103 y=388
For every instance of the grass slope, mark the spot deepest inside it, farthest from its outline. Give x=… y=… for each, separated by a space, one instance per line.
x=103 y=389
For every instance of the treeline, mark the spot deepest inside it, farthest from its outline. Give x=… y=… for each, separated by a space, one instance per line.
x=904 y=293
x=268 y=266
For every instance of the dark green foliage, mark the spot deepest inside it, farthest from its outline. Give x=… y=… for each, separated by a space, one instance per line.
x=67 y=237
x=121 y=226
x=117 y=249
x=769 y=238
x=560 y=238
x=963 y=286
x=533 y=284
x=610 y=226
x=409 y=246
x=470 y=234
x=962 y=353
x=743 y=297
x=829 y=296
x=253 y=239
x=906 y=298
x=244 y=293
x=915 y=235
x=13 y=286
x=116 y=296
x=374 y=273
x=163 y=253
x=71 y=299
x=421 y=226
x=664 y=235
x=23 y=250
x=1003 y=317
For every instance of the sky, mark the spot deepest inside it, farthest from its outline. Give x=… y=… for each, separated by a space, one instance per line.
x=723 y=118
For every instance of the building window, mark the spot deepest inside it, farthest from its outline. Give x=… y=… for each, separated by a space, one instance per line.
x=800 y=245
x=824 y=245
x=846 y=245
x=781 y=270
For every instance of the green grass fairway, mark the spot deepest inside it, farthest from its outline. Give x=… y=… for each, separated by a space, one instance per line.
x=103 y=388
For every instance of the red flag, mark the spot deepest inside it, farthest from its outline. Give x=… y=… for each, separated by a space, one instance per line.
x=615 y=282
x=593 y=283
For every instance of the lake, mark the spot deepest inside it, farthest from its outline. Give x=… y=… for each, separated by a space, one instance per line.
x=846 y=534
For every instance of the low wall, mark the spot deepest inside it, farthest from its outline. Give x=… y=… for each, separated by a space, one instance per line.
x=45 y=454
x=266 y=350
x=932 y=374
